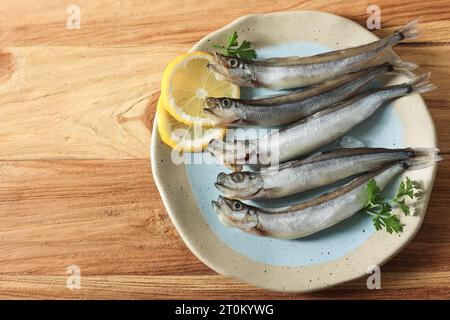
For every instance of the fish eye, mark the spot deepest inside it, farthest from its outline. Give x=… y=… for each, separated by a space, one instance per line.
x=237 y=177
x=226 y=103
x=237 y=205
x=233 y=63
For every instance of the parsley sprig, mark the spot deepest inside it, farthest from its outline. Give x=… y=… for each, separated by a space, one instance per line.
x=232 y=48
x=406 y=189
x=381 y=209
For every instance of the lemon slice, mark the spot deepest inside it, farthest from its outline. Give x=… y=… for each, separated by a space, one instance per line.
x=187 y=82
x=182 y=137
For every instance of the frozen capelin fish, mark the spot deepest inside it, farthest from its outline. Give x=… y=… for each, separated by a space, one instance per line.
x=290 y=107
x=319 y=170
x=315 y=131
x=294 y=72
x=309 y=217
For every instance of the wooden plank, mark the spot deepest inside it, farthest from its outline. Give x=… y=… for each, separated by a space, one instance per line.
x=431 y=59
x=107 y=218
x=139 y=22
x=80 y=102
x=98 y=103
x=393 y=286
x=434 y=59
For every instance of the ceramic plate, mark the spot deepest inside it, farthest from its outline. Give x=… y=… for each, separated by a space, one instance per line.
x=338 y=254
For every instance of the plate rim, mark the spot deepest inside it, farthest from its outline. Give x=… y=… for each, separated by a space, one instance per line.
x=220 y=269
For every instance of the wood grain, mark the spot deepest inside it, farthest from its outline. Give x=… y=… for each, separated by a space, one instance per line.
x=103 y=96
x=137 y=22
x=434 y=59
x=394 y=285
x=105 y=217
x=76 y=109
x=113 y=107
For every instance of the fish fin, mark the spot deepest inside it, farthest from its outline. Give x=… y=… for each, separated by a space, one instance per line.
x=420 y=163
x=404 y=68
x=421 y=83
x=410 y=30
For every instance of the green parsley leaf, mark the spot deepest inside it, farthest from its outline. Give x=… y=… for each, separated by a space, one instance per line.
x=386 y=209
x=381 y=210
x=243 y=51
x=232 y=40
x=392 y=224
x=377 y=223
x=374 y=194
x=403 y=206
x=405 y=189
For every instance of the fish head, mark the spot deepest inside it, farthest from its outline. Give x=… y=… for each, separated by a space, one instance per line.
x=240 y=185
x=234 y=69
x=222 y=110
x=235 y=213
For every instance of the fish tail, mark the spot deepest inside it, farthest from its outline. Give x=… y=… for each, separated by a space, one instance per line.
x=417 y=163
x=430 y=153
x=404 y=68
x=421 y=83
x=409 y=31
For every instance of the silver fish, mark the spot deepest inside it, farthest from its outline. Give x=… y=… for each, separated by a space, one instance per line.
x=291 y=107
x=314 y=172
x=308 y=217
x=315 y=131
x=294 y=72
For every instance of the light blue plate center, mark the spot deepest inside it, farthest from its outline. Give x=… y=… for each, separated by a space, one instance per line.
x=383 y=129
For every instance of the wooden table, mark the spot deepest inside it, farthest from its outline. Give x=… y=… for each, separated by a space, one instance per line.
x=76 y=110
